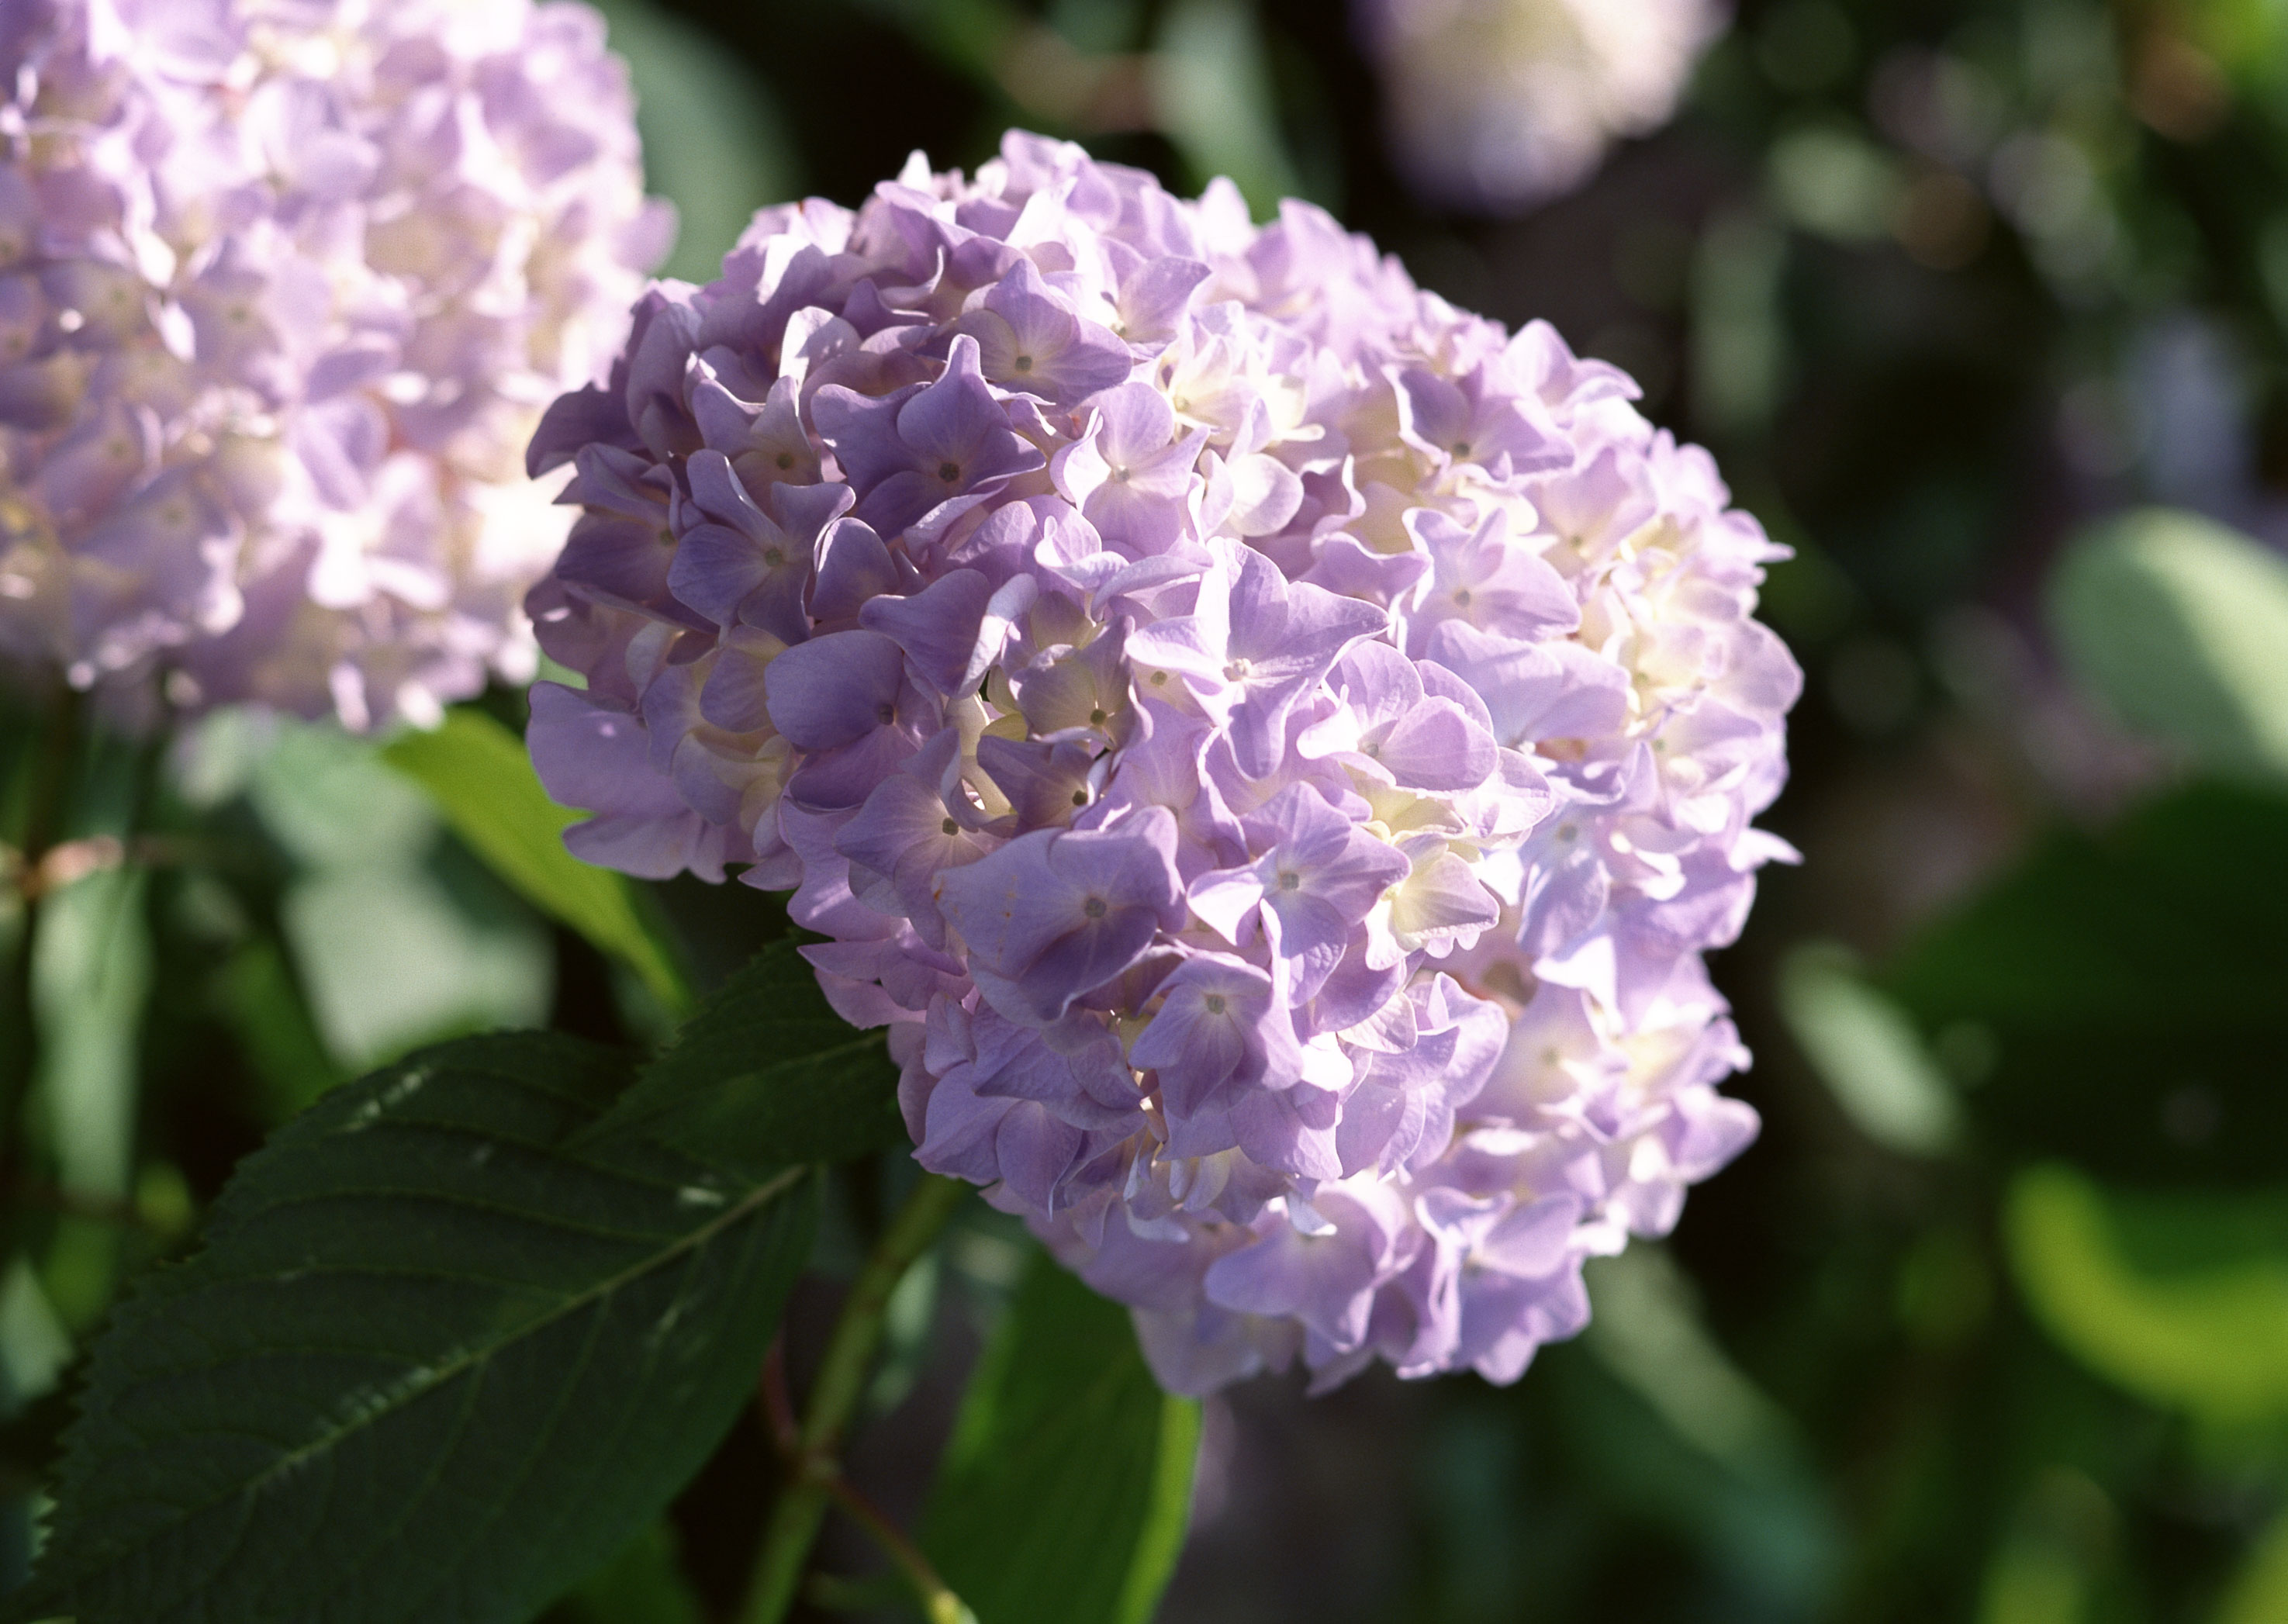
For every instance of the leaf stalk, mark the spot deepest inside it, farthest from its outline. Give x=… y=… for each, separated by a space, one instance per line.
x=815 y=1476
x=46 y=792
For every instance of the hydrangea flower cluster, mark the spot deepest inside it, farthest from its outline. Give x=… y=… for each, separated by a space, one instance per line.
x=1496 y=104
x=1269 y=745
x=284 y=288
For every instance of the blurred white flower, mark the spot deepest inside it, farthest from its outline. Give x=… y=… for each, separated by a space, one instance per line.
x=1497 y=105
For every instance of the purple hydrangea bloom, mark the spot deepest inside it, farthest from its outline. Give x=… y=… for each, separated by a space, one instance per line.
x=284 y=289
x=1273 y=749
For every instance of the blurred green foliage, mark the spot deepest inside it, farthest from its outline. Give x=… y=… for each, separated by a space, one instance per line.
x=2181 y=1300
x=477 y=773
x=1983 y=304
x=2177 y=624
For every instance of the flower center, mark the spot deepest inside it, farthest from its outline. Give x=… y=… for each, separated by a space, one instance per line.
x=1237 y=671
x=1290 y=881
x=1094 y=908
x=950 y=827
x=1096 y=718
x=1024 y=363
x=1462 y=598
x=786 y=459
x=1080 y=797
x=949 y=471
x=1213 y=1003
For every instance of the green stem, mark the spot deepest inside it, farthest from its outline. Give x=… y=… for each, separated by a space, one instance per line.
x=841 y=1380
x=51 y=774
x=43 y=819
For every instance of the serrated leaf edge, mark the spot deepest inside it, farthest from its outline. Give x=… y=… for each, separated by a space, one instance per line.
x=762 y=1196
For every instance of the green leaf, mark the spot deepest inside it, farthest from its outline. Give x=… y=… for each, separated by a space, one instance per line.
x=642 y=1585
x=2119 y=993
x=2259 y=1594
x=91 y=977
x=2248 y=38
x=765 y=1065
x=2035 y=1578
x=1066 y=1488
x=2178 y=623
x=1647 y=1331
x=480 y=778
x=255 y=990
x=442 y=1351
x=395 y=957
x=1760 y=1516
x=320 y=792
x=1865 y=1048
x=398 y=936
x=1689 y=1440
x=2181 y=1300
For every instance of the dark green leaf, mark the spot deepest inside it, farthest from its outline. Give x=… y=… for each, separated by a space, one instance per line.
x=642 y=1585
x=478 y=774
x=766 y=1073
x=2119 y=996
x=433 y=1363
x=1064 y=1492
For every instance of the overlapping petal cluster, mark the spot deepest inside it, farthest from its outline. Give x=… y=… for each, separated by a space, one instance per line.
x=1272 y=747
x=1496 y=104
x=284 y=286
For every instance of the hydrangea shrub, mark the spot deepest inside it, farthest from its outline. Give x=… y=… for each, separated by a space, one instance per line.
x=1271 y=748
x=284 y=286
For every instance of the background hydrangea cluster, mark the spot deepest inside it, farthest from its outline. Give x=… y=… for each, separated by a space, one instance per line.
x=1496 y=104
x=1271 y=747
x=283 y=288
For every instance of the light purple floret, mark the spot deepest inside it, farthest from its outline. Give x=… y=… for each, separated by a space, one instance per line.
x=283 y=289
x=1271 y=748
